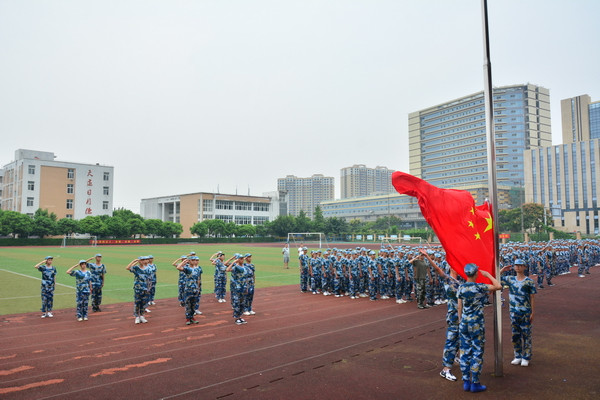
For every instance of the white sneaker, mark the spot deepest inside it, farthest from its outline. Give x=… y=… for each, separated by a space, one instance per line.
x=252 y=313
x=44 y=315
x=85 y=318
x=137 y=320
x=516 y=361
x=79 y=319
x=524 y=363
x=197 y=312
x=143 y=320
x=50 y=315
x=148 y=311
x=402 y=301
x=246 y=312
x=384 y=297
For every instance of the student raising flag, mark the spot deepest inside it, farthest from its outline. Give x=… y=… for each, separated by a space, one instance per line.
x=465 y=230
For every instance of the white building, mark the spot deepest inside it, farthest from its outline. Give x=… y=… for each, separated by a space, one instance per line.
x=69 y=190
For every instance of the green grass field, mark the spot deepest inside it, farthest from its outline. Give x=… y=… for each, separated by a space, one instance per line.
x=20 y=282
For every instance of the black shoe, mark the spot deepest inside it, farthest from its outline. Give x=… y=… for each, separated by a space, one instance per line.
x=239 y=321
x=243 y=321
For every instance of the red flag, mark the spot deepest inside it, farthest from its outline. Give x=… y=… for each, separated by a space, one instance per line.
x=464 y=230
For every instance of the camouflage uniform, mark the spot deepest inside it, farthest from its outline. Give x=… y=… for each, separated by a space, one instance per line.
x=452 y=337
x=471 y=329
x=152 y=289
x=373 y=278
x=249 y=298
x=220 y=279
x=48 y=282
x=237 y=286
x=193 y=289
x=141 y=286
x=520 y=314
x=303 y=272
x=97 y=272
x=82 y=283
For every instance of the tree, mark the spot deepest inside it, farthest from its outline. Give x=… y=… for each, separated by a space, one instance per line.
x=136 y=226
x=67 y=226
x=318 y=223
x=246 y=230
x=263 y=230
x=117 y=227
x=15 y=223
x=230 y=229
x=94 y=225
x=44 y=224
x=216 y=227
x=153 y=227
x=170 y=229
x=509 y=220
x=282 y=225
x=303 y=223
x=199 y=229
x=533 y=216
x=336 y=226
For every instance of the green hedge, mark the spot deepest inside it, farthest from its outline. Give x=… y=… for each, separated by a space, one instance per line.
x=84 y=242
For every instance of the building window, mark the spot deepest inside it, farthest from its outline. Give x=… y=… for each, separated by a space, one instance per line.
x=105 y=190
x=224 y=205
x=30 y=185
x=105 y=205
x=31 y=169
x=30 y=202
x=107 y=176
x=207 y=205
x=243 y=219
x=70 y=173
x=261 y=206
x=70 y=216
x=243 y=206
x=70 y=189
x=69 y=204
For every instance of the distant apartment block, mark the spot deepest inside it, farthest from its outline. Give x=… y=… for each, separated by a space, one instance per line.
x=68 y=189
x=306 y=193
x=580 y=119
x=360 y=181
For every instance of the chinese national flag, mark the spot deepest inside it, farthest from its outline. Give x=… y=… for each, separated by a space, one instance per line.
x=464 y=230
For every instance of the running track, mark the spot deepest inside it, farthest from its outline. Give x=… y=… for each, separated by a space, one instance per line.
x=298 y=346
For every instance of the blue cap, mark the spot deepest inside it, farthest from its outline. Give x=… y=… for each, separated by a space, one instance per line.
x=248 y=255
x=194 y=258
x=237 y=256
x=184 y=256
x=193 y=253
x=471 y=269
x=82 y=262
x=372 y=253
x=98 y=255
x=48 y=258
x=150 y=256
x=518 y=261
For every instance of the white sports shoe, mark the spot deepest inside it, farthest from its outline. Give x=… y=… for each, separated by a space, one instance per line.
x=524 y=363
x=246 y=312
x=50 y=315
x=79 y=319
x=137 y=320
x=252 y=312
x=44 y=315
x=197 y=312
x=516 y=361
x=148 y=311
x=143 y=320
x=85 y=318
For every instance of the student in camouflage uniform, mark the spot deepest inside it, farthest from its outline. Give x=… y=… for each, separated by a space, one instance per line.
x=451 y=345
x=180 y=281
x=98 y=270
x=521 y=294
x=373 y=270
x=421 y=274
x=48 y=282
x=83 y=279
x=314 y=271
x=141 y=285
x=251 y=280
x=472 y=325
x=304 y=277
x=153 y=280
x=193 y=287
x=237 y=286
x=220 y=278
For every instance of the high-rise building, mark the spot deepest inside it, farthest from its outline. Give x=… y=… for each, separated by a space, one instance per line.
x=580 y=119
x=360 y=181
x=69 y=190
x=187 y=209
x=447 y=142
x=564 y=179
x=306 y=193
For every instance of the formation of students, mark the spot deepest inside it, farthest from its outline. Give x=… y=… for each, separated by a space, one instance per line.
x=89 y=279
x=396 y=272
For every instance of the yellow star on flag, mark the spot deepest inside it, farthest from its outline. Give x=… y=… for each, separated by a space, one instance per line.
x=490 y=223
x=471 y=225
x=477 y=236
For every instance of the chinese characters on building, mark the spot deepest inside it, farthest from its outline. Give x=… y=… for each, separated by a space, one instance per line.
x=90 y=184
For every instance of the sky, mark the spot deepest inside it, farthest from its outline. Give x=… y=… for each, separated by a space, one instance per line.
x=207 y=95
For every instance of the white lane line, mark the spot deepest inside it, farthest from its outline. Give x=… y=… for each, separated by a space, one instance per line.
x=33 y=277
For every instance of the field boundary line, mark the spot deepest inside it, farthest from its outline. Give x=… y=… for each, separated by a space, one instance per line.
x=33 y=277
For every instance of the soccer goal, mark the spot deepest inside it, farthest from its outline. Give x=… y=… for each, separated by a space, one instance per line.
x=71 y=240
x=309 y=239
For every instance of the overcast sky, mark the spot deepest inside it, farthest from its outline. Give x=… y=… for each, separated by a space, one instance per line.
x=188 y=96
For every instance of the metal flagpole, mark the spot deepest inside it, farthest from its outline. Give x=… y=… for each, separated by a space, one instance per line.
x=493 y=193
